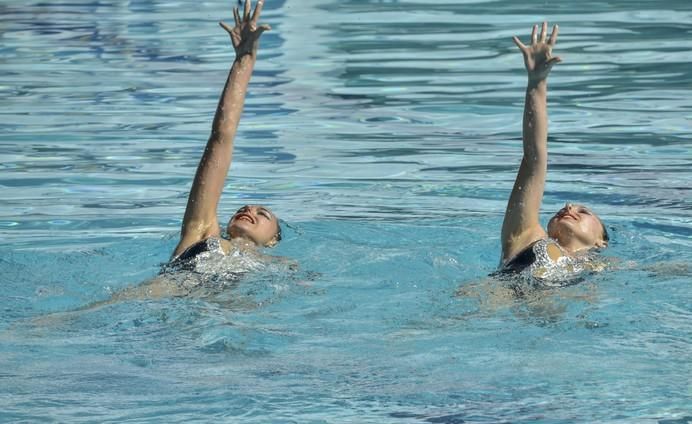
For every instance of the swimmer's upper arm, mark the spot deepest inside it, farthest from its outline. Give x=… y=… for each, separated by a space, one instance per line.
x=521 y=225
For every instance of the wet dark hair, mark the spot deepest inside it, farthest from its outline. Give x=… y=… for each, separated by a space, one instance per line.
x=278 y=231
x=604 y=234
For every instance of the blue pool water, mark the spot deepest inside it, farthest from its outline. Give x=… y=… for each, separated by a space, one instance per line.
x=386 y=134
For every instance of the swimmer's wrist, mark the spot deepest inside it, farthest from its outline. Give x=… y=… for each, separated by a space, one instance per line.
x=537 y=84
x=243 y=65
x=247 y=59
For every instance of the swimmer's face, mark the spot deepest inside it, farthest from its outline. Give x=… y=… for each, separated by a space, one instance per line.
x=577 y=227
x=255 y=223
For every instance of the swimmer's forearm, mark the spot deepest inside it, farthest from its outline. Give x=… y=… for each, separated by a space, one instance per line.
x=535 y=124
x=232 y=99
x=527 y=194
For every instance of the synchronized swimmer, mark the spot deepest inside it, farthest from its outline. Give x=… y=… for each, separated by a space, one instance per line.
x=252 y=226
x=203 y=251
x=574 y=233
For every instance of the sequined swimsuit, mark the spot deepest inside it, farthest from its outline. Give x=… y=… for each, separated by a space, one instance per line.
x=535 y=263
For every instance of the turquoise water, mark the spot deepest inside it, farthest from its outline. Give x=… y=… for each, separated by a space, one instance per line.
x=386 y=134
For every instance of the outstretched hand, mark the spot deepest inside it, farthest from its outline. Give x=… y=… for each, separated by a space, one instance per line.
x=538 y=57
x=246 y=33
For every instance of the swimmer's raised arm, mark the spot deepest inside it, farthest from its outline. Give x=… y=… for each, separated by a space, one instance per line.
x=200 y=220
x=521 y=225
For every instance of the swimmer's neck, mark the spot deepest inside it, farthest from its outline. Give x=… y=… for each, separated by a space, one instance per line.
x=575 y=248
x=242 y=243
